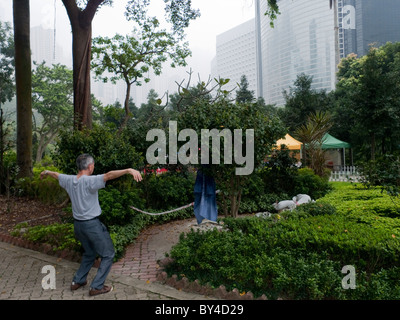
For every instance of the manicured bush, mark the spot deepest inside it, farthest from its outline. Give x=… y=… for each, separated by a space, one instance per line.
x=115 y=205
x=317 y=208
x=307 y=182
x=300 y=255
x=109 y=150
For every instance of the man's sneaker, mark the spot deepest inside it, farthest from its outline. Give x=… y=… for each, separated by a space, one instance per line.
x=95 y=292
x=76 y=286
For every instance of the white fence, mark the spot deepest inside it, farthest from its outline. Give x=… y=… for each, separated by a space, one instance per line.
x=346 y=173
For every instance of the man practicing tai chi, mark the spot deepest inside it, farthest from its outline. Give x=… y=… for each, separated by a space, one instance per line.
x=93 y=235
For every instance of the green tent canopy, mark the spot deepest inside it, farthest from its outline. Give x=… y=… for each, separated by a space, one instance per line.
x=330 y=142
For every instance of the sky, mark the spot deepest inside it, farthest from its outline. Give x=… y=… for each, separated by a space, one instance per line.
x=217 y=16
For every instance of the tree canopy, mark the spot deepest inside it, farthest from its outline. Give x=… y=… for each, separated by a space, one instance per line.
x=369 y=101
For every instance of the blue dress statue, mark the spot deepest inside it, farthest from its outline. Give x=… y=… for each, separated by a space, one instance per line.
x=205 y=202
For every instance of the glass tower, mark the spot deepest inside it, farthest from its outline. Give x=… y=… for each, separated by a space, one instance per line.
x=302 y=41
x=311 y=36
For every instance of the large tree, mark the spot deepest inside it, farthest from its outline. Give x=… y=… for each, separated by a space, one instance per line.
x=81 y=13
x=23 y=79
x=129 y=58
x=301 y=101
x=368 y=100
x=52 y=99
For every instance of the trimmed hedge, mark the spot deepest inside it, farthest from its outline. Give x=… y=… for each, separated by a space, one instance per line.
x=301 y=254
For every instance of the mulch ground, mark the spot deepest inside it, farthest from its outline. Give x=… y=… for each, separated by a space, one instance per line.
x=16 y=210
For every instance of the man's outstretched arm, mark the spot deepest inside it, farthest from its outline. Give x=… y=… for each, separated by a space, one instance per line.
x=49 y=173
x=118 y=173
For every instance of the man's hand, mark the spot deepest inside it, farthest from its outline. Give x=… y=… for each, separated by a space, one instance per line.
x=135 y=174
x=49 y=173
x=43 y=174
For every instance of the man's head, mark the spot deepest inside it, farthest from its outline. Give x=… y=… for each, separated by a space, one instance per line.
x=85 y=162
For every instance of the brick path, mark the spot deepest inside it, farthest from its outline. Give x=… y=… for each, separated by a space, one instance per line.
x=133 y=277
x=140 y=259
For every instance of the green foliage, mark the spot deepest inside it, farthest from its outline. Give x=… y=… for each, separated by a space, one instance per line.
x=301 y=101
x=317 y=208
x=7 y=87
x=223 y=115
x=110 y=151
x=168 y=190
x=279 y=172
x=52 y=95
x=307 y=182
x=115 y=205
x=367 y=95
x=46 y=190
x=59 y=235
x=300 y=256
x=244 y=95
x=8 y=172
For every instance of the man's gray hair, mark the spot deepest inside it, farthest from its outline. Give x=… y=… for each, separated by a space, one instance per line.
x=83 y=161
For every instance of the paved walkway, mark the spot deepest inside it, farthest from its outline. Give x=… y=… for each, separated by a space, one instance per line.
x=140 y=259
x=133 y=277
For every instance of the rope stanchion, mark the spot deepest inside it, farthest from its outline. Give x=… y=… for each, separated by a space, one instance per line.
x=162 y=213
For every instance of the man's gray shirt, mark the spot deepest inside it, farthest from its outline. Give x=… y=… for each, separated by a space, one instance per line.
x=83 y=193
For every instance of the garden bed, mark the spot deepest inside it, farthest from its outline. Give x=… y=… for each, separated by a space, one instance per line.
x=301 y=255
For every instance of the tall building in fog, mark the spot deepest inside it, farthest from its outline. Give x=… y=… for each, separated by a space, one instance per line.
x=236 y=56
x=302 y=41
x=45 y=48
x=363 y=23
x=311 y=36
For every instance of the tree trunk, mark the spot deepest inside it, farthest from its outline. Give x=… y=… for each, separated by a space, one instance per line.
x=126 y=106
x=23 y=79
x=81 y=23
x=81 y=47
x=373 y=146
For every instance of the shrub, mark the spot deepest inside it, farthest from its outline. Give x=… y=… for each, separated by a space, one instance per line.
x=115 y=205
x=235 y=260
x=307 y=182
x=109 y=150
x=300 y=255
x=59 y=235
x=8 y=172
x=47 y=190
x=317 y=208
x=168 y=190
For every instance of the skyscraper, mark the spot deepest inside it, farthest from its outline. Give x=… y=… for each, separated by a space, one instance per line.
x=302 y=41
x=311 y=36
x=236 y=56
x=367 y=23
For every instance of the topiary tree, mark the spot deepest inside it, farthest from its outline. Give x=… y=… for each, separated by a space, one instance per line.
x=247 y=132
x=109 y=151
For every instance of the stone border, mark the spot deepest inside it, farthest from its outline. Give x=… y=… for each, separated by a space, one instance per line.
x=41 y=247
x=183 y=284
x=186 y=285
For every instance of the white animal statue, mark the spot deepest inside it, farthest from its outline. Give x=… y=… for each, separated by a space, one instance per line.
x=301 y=199
x=284 y=205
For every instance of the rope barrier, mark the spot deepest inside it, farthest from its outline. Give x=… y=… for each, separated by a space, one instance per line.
x=161 y=213
x=165 y=212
